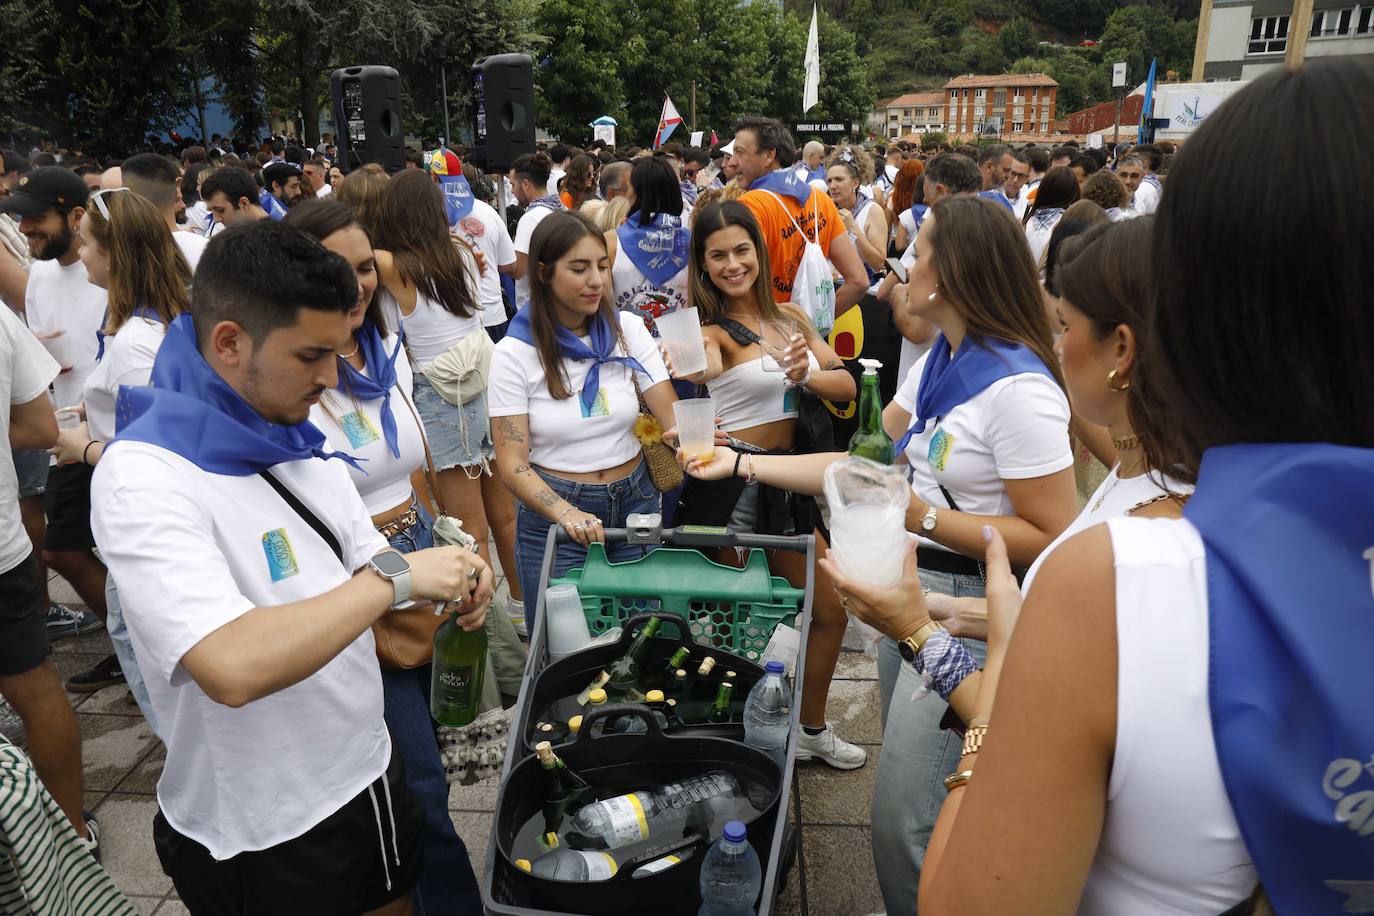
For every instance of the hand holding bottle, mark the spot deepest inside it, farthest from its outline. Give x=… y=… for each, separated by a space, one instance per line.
x=452 y=574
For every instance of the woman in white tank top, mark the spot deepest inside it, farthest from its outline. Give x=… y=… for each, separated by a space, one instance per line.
x=1182 y=723
x=429 y=284
x=649 y=250
x=732 y=292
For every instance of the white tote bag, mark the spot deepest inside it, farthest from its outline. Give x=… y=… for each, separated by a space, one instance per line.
x=813 y=288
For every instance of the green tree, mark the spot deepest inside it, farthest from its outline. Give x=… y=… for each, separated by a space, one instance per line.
x=582 y=77
x=34 y=97
x=948 y=18
x=731 y=63
x=219 y=44
x=845 y=92
x=1017 y=38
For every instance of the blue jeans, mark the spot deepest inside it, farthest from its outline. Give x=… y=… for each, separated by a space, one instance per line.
x=917 y=756
x=448 y=883
x=611 y=502
x=124 y=651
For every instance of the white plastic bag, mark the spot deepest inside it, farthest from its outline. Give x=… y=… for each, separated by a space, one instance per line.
x=813 y=288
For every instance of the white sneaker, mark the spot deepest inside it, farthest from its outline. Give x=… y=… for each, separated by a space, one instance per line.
x=516 y=610
x=831 y=748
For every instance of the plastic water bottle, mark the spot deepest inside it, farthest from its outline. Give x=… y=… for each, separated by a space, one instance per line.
x=656 y=813
x=560 y=864
x=731 y=875
x=768 y=714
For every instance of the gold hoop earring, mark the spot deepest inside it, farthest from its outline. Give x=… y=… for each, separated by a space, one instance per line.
x=1111 y=382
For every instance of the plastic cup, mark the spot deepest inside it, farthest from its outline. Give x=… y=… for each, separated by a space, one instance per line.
x=696 y=427
x=776 y=338
x=868 y=504
x=680 y=332
x=63 y=348
x=565 y=621
x=67 y=419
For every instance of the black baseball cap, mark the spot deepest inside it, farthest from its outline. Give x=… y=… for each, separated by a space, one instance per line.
x=51 y=187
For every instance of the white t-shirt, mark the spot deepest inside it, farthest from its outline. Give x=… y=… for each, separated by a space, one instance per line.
x=27 y=372
x=523 y=232
x=128 y=360
x=1146 y=199
x=1038 y=233
x=1015 y=429
x=555 y=176
x=193 y=551
x=561 y=437
x=63 y=299
x=192 y=246
x=324 y=191
x=484 y=230
x=384 y=481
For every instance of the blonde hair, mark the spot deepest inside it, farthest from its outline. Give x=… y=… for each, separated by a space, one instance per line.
x=611 y=215
x=147 y=269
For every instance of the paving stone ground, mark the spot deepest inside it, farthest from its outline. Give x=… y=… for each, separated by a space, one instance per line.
x=833 y=875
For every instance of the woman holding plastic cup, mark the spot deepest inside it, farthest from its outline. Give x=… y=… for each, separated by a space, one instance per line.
x=563 y=404
x=763 y=358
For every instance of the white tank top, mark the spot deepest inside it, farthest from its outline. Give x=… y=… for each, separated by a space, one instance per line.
x=1170 y=843
x=634 y=293
x=431 y=329
x=747 y=396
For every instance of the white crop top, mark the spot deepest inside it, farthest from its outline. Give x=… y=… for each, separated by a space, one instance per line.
x=1170 y=843
x=384 y=481
x=432 y=329
x=746 y=395
x=562 y=436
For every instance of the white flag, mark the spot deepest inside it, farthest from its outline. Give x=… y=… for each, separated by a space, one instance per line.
x=811 y=91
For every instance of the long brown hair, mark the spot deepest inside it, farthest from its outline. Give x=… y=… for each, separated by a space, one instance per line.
x=414 y=228
x=702 y=292
x=147 y=269
x=553 y=238
x=321 y=217
x=984 y=269
x=362 y=190
x=580 y=180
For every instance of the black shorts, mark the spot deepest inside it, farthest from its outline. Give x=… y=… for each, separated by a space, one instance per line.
x=333 y=869
x=23 y=622
x=67 y=500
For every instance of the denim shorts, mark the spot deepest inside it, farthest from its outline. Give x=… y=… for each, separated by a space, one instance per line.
x=31 y=467
x=458 y=436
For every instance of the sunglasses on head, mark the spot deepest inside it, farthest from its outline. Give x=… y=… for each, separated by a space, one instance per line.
x=98 y=199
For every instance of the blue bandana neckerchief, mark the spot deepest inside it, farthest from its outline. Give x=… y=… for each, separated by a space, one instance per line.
x=948 y=381
x=603 y=342
x=142 y=311
x=1042 y=218
x=379 y=384
x=1154 y=180
x=918 y=214
x=1289 y=530
x=547 y=202
x=1000 y=197
x=690 y=192
x=785 y=181
x=268 y=201
x=1114 y=213
x=658 y=250
x=457 y=197
x=193 y=412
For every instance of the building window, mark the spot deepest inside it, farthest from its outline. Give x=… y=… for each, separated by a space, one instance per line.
x=1016 y=127
x=980 y=93
x=999 y=98
x=1364 y=25
x=1330 y=23
x=1268 y=35
x=892 y=117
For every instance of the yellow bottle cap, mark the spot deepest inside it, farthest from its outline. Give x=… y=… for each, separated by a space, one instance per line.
x=575 y=724
x=550 y=840
x=730 y=675
x=654 y=696
x=597 y=697
x=525 y=864
x=679 y=674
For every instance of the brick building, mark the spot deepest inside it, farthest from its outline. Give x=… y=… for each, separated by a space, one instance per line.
x=1011 y=105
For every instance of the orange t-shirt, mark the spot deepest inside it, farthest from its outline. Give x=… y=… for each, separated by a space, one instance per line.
x=785 y=245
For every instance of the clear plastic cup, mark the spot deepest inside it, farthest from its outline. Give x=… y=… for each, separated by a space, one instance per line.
x=67 y=419
x=868 y=536
x=680 y=333
x=696 y=427
x=565 y=623
x=776 y=338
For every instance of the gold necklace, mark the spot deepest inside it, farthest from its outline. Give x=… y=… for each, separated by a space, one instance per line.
x=1120 y=473
x=1126 y=442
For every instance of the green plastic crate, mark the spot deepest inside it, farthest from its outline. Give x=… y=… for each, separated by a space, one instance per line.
x=726 y=607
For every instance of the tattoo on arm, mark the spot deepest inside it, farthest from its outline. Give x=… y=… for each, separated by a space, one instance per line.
x=521 y=468
x=506 y=427
x=547 y=498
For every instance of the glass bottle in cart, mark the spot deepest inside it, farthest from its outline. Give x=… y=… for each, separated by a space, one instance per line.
x=460 y=664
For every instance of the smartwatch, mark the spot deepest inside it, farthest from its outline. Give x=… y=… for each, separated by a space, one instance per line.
x=912 y=645
x=395 y=568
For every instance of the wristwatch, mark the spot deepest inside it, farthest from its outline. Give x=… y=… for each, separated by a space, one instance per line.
x=395 y=568
x=929 y=519
x=911 y=646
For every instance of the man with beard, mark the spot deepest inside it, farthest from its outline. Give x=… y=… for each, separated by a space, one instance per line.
x=283 y=181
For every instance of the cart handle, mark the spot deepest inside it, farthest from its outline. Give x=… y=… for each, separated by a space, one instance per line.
x=698 y=536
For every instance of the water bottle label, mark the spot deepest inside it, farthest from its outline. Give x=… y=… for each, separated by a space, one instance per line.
x=626 y=815
x=600 y=866
x=656 y=866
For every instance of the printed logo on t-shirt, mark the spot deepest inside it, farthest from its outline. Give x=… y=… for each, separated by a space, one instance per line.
x=600 y=408
x=791 y=400
x=281 y=556
x=940 y=445
x=359 y=429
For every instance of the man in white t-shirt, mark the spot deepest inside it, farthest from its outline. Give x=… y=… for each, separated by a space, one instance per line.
x=529 y=178
x=231 y=194
x=561 y=156
x=65 y=310
x=155 y=177
x=484 y=230
x=250 y=574
x=1014 y=185
x=1146 y=194
x=316 y=172
x=29 y=682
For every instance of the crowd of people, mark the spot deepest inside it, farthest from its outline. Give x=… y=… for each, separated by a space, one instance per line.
x=244 y=384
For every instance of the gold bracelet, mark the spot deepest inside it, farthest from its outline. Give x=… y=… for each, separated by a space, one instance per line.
x=973 y=739
x=955 y=780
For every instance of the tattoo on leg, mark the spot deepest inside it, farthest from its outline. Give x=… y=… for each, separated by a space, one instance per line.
x=506 y=427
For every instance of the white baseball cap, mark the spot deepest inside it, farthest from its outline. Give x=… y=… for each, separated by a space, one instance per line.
x=729 y=148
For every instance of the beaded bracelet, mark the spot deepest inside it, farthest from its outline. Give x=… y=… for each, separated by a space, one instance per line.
x=943 y=663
